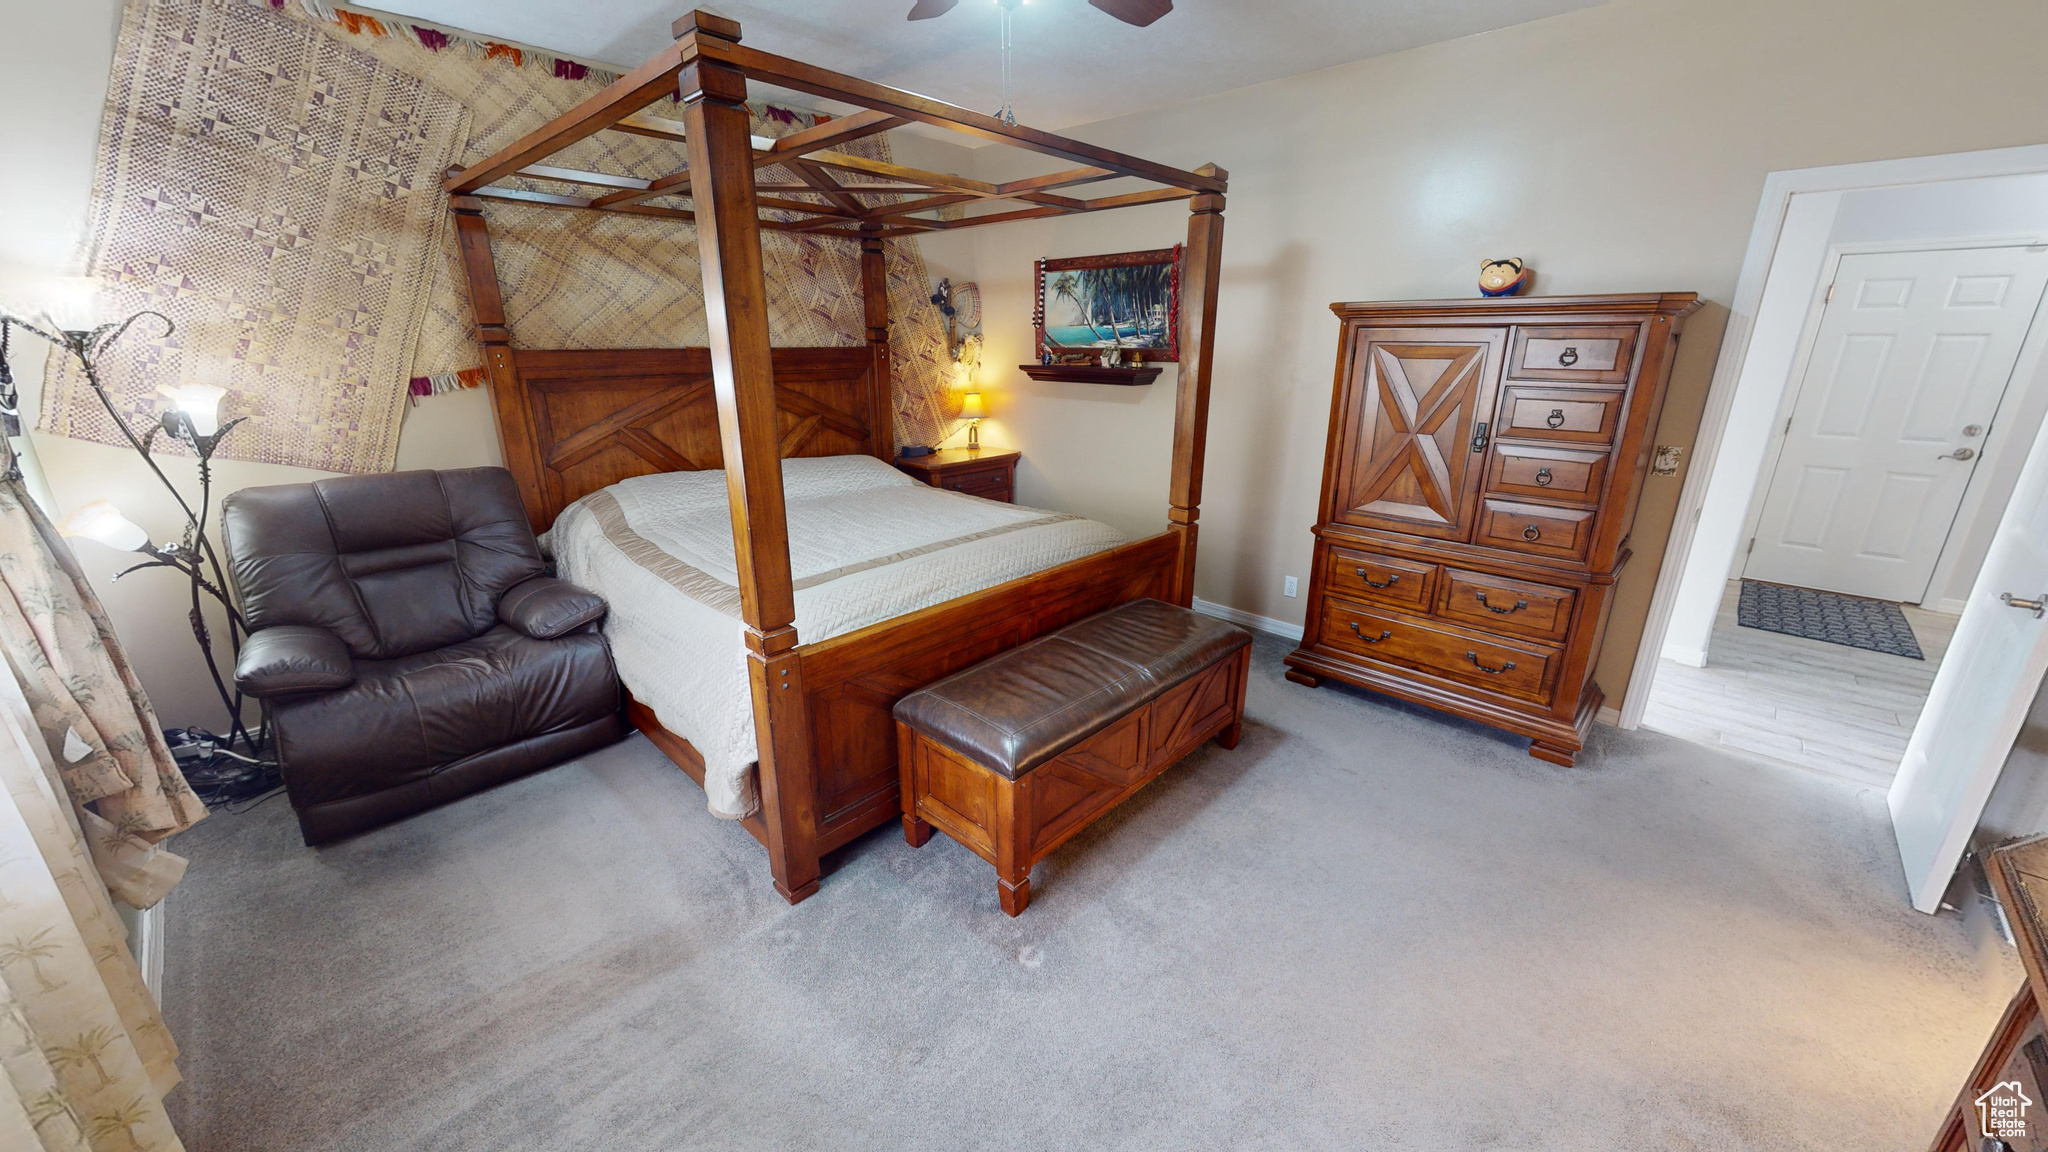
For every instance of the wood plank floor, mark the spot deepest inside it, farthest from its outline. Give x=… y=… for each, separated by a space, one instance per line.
x=1827 y=707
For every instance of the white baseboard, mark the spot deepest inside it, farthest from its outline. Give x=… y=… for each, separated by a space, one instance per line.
x=1608 y=716
x=1947 y=607
x=1686 y=655
x=1250 y=620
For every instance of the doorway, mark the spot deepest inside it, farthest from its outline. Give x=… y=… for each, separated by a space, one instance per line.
x=1913 y=354
x=1872 y=429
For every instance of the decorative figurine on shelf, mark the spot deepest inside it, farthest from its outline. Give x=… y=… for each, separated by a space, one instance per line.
x=1504 y=277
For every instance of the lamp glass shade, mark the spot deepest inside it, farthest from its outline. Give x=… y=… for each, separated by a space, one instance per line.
x=70 y=304
x=101 y=521
x=199 y=402
x=970 y=407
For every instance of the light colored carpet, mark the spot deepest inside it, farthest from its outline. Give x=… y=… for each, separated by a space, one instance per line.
x=1369 y=927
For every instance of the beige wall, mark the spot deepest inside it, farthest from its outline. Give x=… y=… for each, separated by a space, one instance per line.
x=1618 y=149
x=54 y=63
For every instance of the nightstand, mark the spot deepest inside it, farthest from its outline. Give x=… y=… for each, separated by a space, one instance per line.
x=986 y=472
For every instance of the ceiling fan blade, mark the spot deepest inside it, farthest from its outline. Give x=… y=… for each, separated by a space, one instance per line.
x=1139 y=12
x=926 y=9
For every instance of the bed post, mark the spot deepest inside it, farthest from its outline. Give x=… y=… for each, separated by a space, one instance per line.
x=874 y=284
x=736 y=306
x=1202 y=264
x=487 y=304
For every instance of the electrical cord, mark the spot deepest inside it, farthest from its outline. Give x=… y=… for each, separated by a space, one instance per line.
x=220 y=776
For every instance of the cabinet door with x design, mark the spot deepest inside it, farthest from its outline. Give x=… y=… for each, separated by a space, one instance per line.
x=1413 y=446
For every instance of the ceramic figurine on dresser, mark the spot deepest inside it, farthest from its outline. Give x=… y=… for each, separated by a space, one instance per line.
x=1484 y=462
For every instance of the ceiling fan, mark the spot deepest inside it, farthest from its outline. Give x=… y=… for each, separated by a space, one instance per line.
x=1138 y=12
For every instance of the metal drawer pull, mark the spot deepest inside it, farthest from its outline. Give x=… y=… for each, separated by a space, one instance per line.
x=1393 y=578
x=1474 y=658
x=1384 y=633
x=1519 y=605
x=1556 y=417
x=1543 y=477
x=1531 y=532
x=1479 y=436
x=1568 y=357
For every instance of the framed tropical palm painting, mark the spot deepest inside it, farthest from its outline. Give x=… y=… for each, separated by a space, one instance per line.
x=1126 y=300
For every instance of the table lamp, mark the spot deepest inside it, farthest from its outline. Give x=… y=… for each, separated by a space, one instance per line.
x=972 y=412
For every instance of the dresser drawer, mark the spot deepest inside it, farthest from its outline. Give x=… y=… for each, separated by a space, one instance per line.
x=1573 y=474
x=1599 y=356
x=1503 y=604
x=1567 y=414
x=993 y=483
x=1499 y=664
x=1380 y=579
x=1538 y=529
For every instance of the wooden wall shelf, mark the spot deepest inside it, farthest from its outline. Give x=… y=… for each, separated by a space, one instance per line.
x=1091 y=373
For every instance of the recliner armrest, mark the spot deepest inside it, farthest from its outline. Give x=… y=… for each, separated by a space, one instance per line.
x=545 y=607
x=293 y=658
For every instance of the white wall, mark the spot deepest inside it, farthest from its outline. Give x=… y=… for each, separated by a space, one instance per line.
x=1817 y=225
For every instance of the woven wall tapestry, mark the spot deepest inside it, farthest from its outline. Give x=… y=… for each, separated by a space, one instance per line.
x=276 y=192
x=608 y=280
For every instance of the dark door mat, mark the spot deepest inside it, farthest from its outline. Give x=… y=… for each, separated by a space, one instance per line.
x=1875 y=625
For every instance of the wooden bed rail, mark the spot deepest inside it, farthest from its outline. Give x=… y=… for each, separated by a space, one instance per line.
x=821 y=711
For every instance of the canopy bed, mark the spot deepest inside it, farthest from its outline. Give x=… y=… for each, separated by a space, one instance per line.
x=574 y=424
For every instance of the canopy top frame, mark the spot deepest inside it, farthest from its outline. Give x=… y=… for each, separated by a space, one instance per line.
x=810 y=197
x=709 y=72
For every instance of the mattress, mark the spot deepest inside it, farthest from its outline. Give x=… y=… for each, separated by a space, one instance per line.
x=867 y=544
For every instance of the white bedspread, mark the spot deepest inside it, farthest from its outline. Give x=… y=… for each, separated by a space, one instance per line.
x=867 y=543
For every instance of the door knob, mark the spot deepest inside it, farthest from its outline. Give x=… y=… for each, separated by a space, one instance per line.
x=1959 y=454
x=1973 y=430
x=2037 y=606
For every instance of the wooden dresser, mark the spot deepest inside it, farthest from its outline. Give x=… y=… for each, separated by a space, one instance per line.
x=1989 y=1115
x=1482 y=472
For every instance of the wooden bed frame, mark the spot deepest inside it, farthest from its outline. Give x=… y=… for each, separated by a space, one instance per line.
x=573 y=422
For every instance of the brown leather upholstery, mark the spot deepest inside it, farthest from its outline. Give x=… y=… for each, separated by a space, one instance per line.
x=292 y=658
x=375 y=604
x=1020 y=709
x=545 y=607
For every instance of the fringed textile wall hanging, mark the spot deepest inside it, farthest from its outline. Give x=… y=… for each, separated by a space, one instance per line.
x=324 y=314
x=276 y=193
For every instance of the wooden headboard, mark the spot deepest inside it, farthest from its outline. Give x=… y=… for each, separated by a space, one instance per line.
x=573 y=422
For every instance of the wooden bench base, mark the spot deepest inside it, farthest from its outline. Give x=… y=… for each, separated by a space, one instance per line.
x=1013 y=824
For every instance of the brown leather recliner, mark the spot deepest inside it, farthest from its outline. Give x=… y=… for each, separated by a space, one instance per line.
x=408 y=643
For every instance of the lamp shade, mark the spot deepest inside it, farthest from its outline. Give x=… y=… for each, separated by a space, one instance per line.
x=101 y=521
x=70 y=303
x=199 y=402
x=970 y=407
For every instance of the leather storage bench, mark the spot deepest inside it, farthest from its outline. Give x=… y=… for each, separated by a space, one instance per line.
x=1017 y=754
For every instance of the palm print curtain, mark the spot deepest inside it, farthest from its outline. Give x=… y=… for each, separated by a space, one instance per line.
x=91 y=790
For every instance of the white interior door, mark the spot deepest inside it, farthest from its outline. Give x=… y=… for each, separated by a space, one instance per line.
x=1980 y=696
x=1913 y=354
